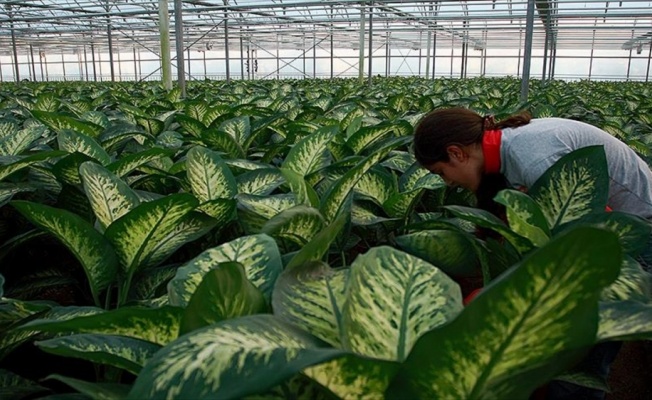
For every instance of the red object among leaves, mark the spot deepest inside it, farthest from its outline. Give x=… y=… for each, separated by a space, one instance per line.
x=471 y=296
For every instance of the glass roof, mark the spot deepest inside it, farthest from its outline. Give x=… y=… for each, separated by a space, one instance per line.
x=69 y=25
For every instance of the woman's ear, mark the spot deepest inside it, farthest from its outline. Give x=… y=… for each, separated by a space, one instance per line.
x=456 y=153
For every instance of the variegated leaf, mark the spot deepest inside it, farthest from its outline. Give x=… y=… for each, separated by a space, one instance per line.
x=8 y=169
x=224 y=293
x=398 y=205
x=632 y=230
x=8 y=190
x=67 y=169
x=445 y=249
x=214 y=361
x=260 y=182
x=137 y=235
x=110 y=196
x=99 y=391
x=303 y=192
x=191 y=125
x=72 y=141
x=93 y=251
x=209 y=176
x=333 y=202
x=487 y=220
x=310 y=153
x=625 y=320
x=20 y=140
x=547 y=304
x=155 y=325
x=58 y=122
x=128 y=163
x=376 y=185
x=368 y=135
x=122 y=352
x=223 y=210
x=257 y=253
x=352 y=377
x=575 y=186
x=318 y=247
x=298 y=224
x=633 y=283
x=524 y=216
x=222 y=141
x=254 y=211
x=239 y=128
x=311 y=297
x=399 y=161
x=394 y=298
x=121 y=132
x=191 y=227
x=13 y=386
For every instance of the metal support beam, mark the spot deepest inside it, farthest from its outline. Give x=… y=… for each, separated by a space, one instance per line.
x=109 y=36
x=178 y=27
x=164 y=39
x=361 y=54
x=227 y=59
x=527 y=55
x=371 y=42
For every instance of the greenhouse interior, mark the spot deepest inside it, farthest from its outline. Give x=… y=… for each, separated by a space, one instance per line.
x=325 y=199
x=135 y=40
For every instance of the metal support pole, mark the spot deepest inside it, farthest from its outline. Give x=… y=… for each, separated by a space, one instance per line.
x=241 y=60
x=434 y=52
x=649 y=58
x=332 y=62
x=591 y=58
x=178 y=26
x=314 y=57
x=629 y=59
x=428 y=55
x=303 y=56
x=529 y=28
x=13 y=48
x=388 y=55
x=119 y=66
x=109 y=35
x=63 y=66
x=371 y=37
x=86 y=63
x=164 y=38
x=227 y=60
x=31 y=53
x=135 y=64
x=93 y=58
x=361 y=54
x=452 y=54
x=40 y=61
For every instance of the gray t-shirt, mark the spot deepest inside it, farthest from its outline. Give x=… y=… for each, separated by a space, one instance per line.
x=528 y=151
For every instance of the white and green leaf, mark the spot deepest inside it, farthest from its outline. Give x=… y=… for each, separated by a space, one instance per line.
x=310 y=153
x=72 y=141
x=298 y=224
x=209 y=176
x=257 y=253
x=260 y=182
x=109 y=196
x=625 y=320
x=524 y=216
x=214 y=361
x=394 y=298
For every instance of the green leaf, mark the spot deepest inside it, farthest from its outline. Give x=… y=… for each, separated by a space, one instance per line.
x=96 y=391
x=311 y=296
x=67 y=169
x=310 y=153
x=122 y=352
x=130 y=162
x=214 y=361
x=633 y=231
x=304 y=193
x=224 y=293
x=71 y=142
x=8 y=169
x=487 y=220
x=110 y=196
x=524 y=216
x=260 y=181
x=93 y=251
x=625 y=320
x=298 y=224
x=394 y=298
x=209 y=176
x=576 y=185
x=155 y=325
x=218 y=140
x=257 y=253
x=352 y=377
x=318 y=247
x=58 y=122
x=239 y=128
x=633 y=283
x=13 y=386
x=137 y=235
x=333 y=202
x=254 y=211
x=191 y=125
x=19 y=140
x=445 y=249
x=547 y=304
x=368 y=135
